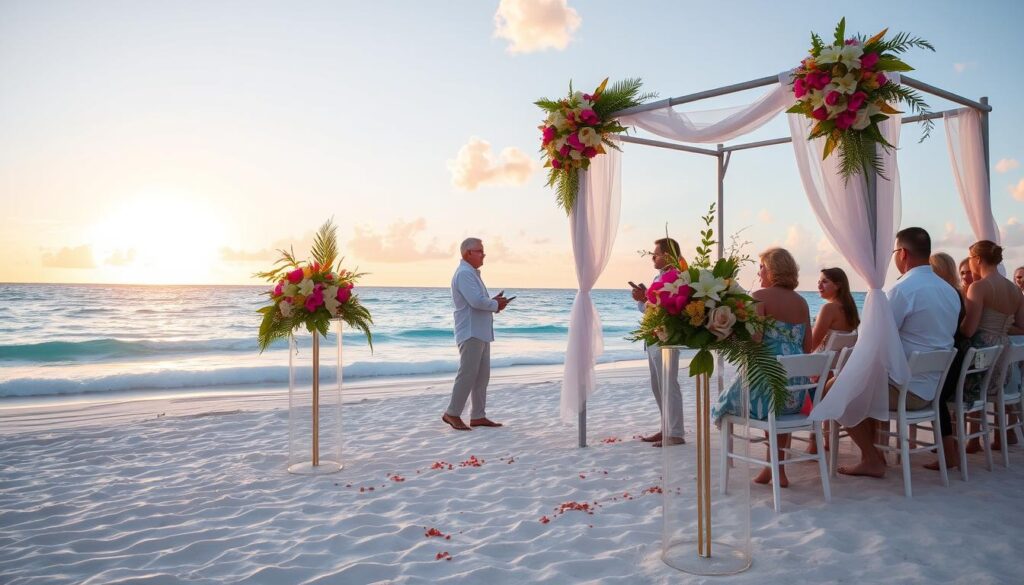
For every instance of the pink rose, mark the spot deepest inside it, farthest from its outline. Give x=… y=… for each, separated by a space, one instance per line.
x=556 y=163
x=818 y=79
x=574 y=141
x=315 y=299
x=881 y=79
x=295 y=276
x=589 y=117
x=820 y=114
x=799 y=88
x=856 y=101
x=832 y=98
x=549 y=134
x=590 y=152
x=845 y=120
x=279 y=289
x=720 y=322
x=868 y=60
x=344 y=293
x=564 y=151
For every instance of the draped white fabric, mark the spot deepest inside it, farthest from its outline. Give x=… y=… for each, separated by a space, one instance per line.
x=593 y=225
x=844 y=211
x=967 y=156
x=713 y=126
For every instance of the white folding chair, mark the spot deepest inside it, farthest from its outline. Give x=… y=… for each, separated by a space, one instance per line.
x=1009 y=394
x=838 y=342
x=919 y=363
x=797 y=366
x=979 y=361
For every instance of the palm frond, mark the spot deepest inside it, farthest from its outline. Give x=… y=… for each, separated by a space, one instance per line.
x=902 y=42
x=758 y=365
x=325 y=244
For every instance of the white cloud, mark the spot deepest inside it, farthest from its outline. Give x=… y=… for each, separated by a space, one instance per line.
x=398 y=244
x=765 y=216
x=1018 y=190
x=535 y=25
x=1012 y=233
x=1006 y=164
x=67 y=257
x=475 y=165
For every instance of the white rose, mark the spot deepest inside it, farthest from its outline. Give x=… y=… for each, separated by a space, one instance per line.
x=286 y=308
x=720 y=322
x=589 y=137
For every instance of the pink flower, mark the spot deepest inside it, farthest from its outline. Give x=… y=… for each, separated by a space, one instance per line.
x=564 y=151
x=590 y=152
x=720 y=322
x=315 y=299
x=832 y=98
x=856 y=101
x=574 y=141
x=845 y=120
x=589 y=117
x=881 y=79
x=868 y=60
x=818 y=80
x=820 y=114
x=295 y=276
x=588 y=97
x=549 y=135
x=279 y=289
x=556 y=163
x=799 y=88
x=344 y=293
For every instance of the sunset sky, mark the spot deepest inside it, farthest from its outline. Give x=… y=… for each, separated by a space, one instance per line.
x=182 y=142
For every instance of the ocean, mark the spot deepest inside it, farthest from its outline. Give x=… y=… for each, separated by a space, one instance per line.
x=60 y=339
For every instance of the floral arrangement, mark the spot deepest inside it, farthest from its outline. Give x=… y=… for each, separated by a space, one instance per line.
x=701 y=305
x=311 y=294
x=845 y=89
x=577 y=129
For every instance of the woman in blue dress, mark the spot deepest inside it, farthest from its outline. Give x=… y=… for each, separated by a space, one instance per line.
x=791 y=335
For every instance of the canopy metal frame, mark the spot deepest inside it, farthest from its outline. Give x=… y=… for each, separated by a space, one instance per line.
x=723 y=153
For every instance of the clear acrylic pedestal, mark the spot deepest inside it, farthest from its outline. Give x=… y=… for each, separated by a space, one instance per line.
x=314 y=409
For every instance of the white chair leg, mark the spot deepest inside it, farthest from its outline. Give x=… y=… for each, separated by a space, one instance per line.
x=961 y=440
x=986 y=445
x=773 y=456
x=833 y=455
x=726 y=449
x=940 y=450
x=822 y=466
x=1001 y=420
x=904 y=437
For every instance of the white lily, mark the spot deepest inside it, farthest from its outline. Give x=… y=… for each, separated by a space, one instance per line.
x=850 y=56
x=817 y=98
x=846 y=84
x=332 y=304
x=708 y=286
x=863 y=120
x=829 y=54
x=557 y=120
x=306 y=287
x=589 y=137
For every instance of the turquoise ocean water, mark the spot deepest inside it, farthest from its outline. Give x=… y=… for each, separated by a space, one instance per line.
x=78 y=339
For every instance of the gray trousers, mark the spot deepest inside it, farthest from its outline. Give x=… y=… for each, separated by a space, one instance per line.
x=474 y=374
x=673 y=419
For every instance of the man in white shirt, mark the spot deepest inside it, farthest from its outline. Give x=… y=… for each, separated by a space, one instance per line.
x=926 y=310
x=664 y=249
x=474 y=332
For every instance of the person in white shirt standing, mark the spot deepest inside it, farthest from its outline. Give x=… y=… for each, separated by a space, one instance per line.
x=926 y=310
x=474 y=332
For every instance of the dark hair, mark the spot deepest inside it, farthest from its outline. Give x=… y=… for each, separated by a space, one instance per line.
x=916 y=242
x=668 y=246
x=988 y=252
x=838 y=276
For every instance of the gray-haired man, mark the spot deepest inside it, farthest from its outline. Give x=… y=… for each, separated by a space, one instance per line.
x=474 y=332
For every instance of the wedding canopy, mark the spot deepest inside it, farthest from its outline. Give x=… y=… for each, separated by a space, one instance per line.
x=860 y=218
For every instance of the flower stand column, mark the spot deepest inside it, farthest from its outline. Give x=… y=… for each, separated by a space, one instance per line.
x=314 y=403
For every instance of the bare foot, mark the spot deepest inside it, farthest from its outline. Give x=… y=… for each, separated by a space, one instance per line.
x=652 y=438
x=950 y=464
x=865 y=469
x=973 y=446
x=765 y=477
x=669 y=441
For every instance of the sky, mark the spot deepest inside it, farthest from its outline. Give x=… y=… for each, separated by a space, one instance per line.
x=149 y=142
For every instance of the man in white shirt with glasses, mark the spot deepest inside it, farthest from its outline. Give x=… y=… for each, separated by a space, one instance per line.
x=474 y=332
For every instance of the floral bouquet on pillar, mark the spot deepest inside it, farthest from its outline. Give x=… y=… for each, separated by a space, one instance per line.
x=309 y=300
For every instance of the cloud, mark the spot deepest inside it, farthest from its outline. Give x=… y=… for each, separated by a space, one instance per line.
x=475 y=166
x=232 y=255
x=1012 y=233
x=121 y=257
x=953 y=239
x=398 y=244
x=66 y=257
x=1018 y=190
x=535 y=25
x=765 y=216
x=1006 y=164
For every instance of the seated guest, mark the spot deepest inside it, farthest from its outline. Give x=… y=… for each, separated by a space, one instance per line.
x=1018 y=278
x=966 y=276
x=945 y=268
x=925 y=309
x=791 y=335
x=994 y=307
x=839 y=313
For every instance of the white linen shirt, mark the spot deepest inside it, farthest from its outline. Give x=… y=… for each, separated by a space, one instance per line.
x=926 y=310
x=474 y=308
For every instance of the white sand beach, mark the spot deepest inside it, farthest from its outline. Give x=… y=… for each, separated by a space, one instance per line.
x=184 y=490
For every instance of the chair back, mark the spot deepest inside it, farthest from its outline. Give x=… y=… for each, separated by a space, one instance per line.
x=805 y=367
x=978 y=360
x=1013 y=382
x=837 y=342
x=928 y=362
x=840 y=363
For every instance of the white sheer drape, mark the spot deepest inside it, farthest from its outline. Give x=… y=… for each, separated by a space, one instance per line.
x=970 y=171
x=593 y=225
x=843 y=210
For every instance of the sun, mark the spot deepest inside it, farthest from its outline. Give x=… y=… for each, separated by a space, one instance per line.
x=159 y=238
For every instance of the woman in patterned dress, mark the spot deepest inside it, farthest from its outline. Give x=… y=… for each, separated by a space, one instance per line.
x=791 y=335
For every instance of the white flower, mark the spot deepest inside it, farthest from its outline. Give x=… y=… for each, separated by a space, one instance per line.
x=708 y=286
x=589 y=137
x=817 y=98
x=720 y=322
x=575 y=155
x=558 y=120
x=331 y=303
x=558 y=143
x=829 y=54
x=306 y=287
x=660 y=332
x=846 y=84
x=735 y=288
x=285 y=307
x=863 y=120
x=850 y=56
